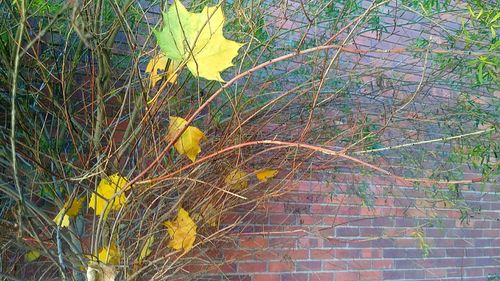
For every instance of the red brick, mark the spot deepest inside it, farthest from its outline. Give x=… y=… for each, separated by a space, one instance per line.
x=382 y=264
x=335 y=220
x=283 y=219
x=264 y=255
x=359 y=264
x=322 y=276
x=232 y=254
x=238 y=278
x=435 y=273
x=295 y=254
x=266 y=277
x=281 y=266
x=282 y=242
x=253 y=242
x=322 y=253
x=212 y=268
x=371 y=253
x=309 y=242
x=272 y=207
x=347 y=276
x=309 y=219
x=347 y=253
x=252 y=267
x=308 y=266
x=334 y=265
x=370 y=275
x=294 y=277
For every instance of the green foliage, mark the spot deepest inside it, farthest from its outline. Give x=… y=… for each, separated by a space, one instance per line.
x=428 y=6
x=422 y=242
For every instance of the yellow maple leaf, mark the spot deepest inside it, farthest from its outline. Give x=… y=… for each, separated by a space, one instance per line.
x=265 y=174
x=109 y=255
x=32 y=255
x=237 y=179
x=189 y=142
x=160 y=62
x=106 y=191
x=198 y=40
x=182 y=231
x=146 y=249
x=70 y=209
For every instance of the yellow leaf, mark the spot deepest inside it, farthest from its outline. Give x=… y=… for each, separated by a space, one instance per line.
x=70 y=209
x=182 y=231
x=32 y=255
x=189 y=142
x=237 y=179
x=146 y=249
x=74 y=207
x=61 y=219
x=109 y=255
x=265 y=174
x=160 y=62
x=198 y=40
x=107 y=189
x=100 y=272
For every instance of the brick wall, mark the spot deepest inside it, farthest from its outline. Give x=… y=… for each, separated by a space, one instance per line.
x=321 y=230
x=308 y=234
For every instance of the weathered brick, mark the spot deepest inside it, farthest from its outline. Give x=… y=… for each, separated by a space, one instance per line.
x=347 y=276
x=347 y=231
x=370 y=275
x=253 y=242
x=266 y=277
x=278 y=266
x=322 y=276
x=347 y=253
x=252 y=267
x=294 y=277
x=238 y=278
x=393 y=274
x=324 y=254
x=308 y=266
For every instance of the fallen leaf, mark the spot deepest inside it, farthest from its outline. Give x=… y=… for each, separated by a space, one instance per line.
x=198 y=40
x=146 y=249
x=182 y=231
x=100 y=272
x=109 y=255
x=107 y=189
x=189 y=142
x=160 y=62
x=237 y=179
x=265 y=174
x=32 y=255
x=70 y=209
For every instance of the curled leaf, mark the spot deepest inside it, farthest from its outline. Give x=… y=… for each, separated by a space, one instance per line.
x=189 y=142
x=70 y=209
x=146 y=249
x=182 y=231
x=265 y=174
x=160 y=62
x=197 y=39
x=109 y=255
x=237 y=179
x=106 y=191
x=32 y=255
